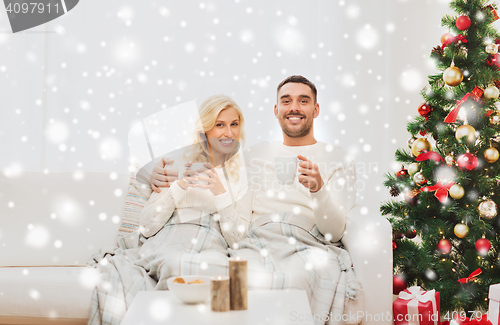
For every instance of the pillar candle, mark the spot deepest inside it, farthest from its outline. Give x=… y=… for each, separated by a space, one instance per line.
x=219 y=292
x=238 y=283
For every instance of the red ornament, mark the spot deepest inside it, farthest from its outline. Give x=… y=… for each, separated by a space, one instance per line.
x=411 y=233
x=398 y=283
x=463 y=22
x=402 y=173
x=394 y=245
x=467 y=161
x=446 y=37
x=444 y=246
x=494 y=60
x=425 y=110
x=483 y=246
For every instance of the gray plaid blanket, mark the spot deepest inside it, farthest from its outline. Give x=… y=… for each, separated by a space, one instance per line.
x=284 y=251
x=287 y=251
x=138 y=263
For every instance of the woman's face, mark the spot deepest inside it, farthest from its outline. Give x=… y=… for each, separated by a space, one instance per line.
x=225 y=134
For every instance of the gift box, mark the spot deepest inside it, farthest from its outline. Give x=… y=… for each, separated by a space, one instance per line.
x=494 y=306
x=416 y=307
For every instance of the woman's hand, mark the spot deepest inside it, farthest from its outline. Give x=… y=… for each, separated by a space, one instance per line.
x=188 y=177
x=214 y=183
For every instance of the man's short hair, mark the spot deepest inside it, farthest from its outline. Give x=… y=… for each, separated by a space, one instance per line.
x=301 y=80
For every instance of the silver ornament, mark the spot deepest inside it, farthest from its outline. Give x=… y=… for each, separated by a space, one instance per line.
x=487 y=209
x=419 y=178
x=491 y=49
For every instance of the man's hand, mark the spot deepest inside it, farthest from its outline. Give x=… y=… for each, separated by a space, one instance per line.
x=309 y=174
x=161 y=176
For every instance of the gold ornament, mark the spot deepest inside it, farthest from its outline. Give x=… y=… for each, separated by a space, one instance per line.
x=457 y=192
x=487 y=209
x=453 y=76
x=491 y=155
x=466 y=130
x=491 y=92
x=491 y=49
x=420 y=145
x=449 y=160
x=419 y=179
x=461 y=230
x=413 y=169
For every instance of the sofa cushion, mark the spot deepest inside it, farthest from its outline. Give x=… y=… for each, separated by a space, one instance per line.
x=58 y=218
x=46 y=292
x=138 y=194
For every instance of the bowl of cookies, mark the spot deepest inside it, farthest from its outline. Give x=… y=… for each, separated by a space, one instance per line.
x=190 y=289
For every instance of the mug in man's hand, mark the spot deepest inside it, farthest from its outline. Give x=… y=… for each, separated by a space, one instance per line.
x=286 y=168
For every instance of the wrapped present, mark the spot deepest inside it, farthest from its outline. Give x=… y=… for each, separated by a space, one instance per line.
x=416 y=307
x=494 y=307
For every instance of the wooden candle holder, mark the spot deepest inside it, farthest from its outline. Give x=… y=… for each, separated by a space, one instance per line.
x=219 y=292
x=238 y=283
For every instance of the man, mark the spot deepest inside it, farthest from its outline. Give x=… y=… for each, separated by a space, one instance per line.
x=325 y=194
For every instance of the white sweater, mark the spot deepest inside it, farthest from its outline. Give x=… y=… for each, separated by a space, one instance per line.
x=327 y=207
x=161 y=206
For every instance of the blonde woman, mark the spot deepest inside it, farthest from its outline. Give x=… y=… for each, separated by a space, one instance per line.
x=212 y=190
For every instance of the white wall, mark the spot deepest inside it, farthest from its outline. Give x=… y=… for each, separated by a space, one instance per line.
x=88 y=76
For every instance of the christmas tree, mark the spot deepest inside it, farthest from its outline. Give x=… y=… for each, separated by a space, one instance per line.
x=451 y=174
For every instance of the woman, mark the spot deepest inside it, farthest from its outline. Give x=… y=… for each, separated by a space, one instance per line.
x=218 y=138
x=167 y=245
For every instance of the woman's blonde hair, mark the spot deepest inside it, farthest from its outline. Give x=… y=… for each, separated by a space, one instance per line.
x=209 y=111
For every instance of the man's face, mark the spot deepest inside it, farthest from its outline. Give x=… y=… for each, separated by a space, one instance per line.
x=296 y=109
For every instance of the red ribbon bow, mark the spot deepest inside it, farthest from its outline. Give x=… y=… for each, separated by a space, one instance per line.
x=471 y=276
x=455 y=40
x=475 y=94
x=429 y=155
x=441 y=190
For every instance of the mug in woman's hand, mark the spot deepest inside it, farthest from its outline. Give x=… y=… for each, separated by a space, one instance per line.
x=195 y=167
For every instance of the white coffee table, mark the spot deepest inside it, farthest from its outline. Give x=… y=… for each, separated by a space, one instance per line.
x=274 y=307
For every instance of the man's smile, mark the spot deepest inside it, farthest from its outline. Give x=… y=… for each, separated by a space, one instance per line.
x=295 y=118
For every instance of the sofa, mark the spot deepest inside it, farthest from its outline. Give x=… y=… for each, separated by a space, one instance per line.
x=52 y=223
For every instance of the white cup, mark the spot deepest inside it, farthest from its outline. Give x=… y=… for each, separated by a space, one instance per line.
x=286 y=168
x=195 y=167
